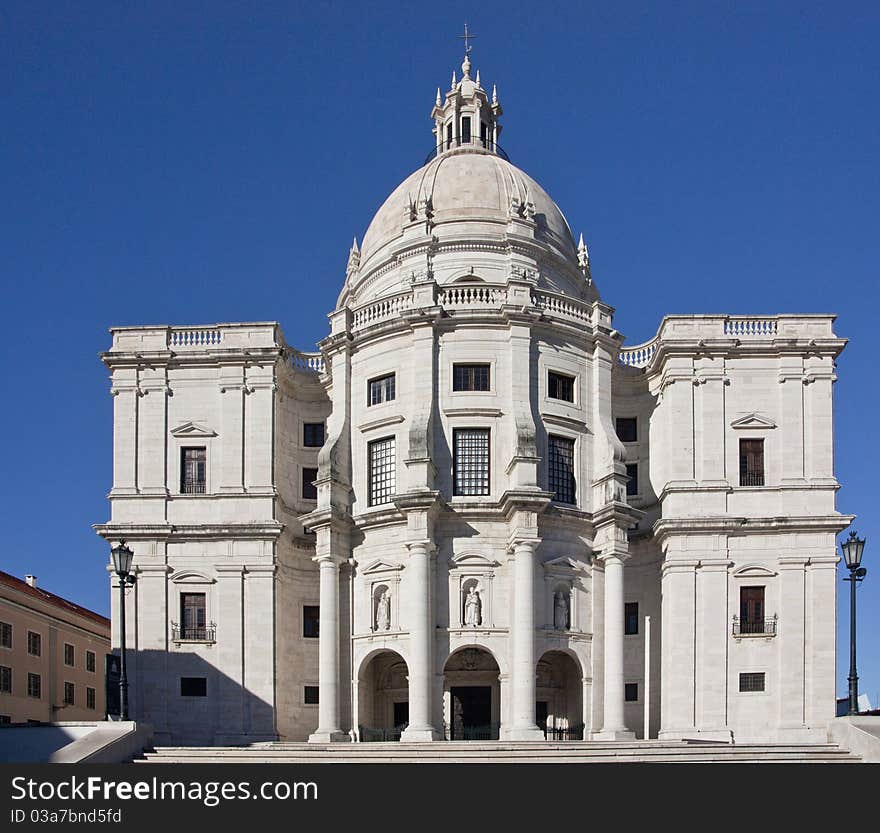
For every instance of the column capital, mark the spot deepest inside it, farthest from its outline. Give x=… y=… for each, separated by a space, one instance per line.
x=332 y=560
x=426 y=544
x=520 y=539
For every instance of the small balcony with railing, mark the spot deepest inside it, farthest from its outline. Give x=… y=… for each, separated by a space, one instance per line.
x=748 y=626
x=193 y=633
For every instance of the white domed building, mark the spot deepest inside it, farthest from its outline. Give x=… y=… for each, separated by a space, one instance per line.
x=475 y=514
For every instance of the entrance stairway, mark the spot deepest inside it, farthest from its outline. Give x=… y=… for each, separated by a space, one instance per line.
x=487 y=752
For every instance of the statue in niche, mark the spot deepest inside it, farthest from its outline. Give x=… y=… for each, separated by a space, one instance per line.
x=560 y=610
x=383 y=612
x=472 y=608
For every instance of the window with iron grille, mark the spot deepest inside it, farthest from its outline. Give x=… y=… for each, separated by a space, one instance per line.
x=313 y=434
x=631 y=618
x=193 y=471
x=193 y=616
x=68 y=654
x=470 y=461
x=193 y=686
x=5 y=635
x=632 y=472
x=751 y=682
x=381 y=471
x=35 y=686
x=311 y=621
x=309 y=489
x=631 y=692
x=35 y=644
x=310 y=695
x=90 y=698
x=381 y=389
x=751 y=462
x=560 y=386
x=470 y=377
x=5 y=679
x=627 y=429
x=561 y=467
x=90 y=661
x=69 y=694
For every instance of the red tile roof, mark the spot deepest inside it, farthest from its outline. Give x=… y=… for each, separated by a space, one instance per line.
x=50 y=598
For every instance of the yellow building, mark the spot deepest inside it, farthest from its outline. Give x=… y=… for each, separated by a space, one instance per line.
x=52 y=655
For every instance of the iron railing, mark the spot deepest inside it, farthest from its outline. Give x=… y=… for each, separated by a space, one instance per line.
x=370 y=735
x=751 y=478
x=472 y=141
x=192 y=487
x=754 y=627
x=187 y=633
x=456 y=731
x=566 y=733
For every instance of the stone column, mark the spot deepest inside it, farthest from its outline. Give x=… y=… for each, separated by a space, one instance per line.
x=420 y=644
x=613 y=725
x=328 y=655
x=523 y=633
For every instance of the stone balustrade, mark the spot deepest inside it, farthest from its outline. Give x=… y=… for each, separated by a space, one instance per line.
x=381 y=310
x=562 y=306
x=640 y=355
x=308 y=362
x=472 y=295
x=195 y=338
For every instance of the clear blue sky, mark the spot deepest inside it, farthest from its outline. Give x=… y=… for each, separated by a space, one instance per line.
x=192 y=162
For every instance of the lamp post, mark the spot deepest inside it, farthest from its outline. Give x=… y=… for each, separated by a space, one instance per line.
x=852 y=554
x=121 y=557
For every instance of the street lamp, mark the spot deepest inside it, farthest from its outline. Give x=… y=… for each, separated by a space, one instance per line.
x=853 y=548
x=121 y=557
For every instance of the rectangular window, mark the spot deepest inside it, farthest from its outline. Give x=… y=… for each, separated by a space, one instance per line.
x=310 y=695
x=751 y=462
x=751 y=609
x=35 y=686
x=90 y=698
x=193 y=686
x=69 y=694
x=631 y=692
x=470 y=461
x=68 y=654
x=751 y=682
x=5 y=679
x=448 y=135
x=35 y=644
x=631 y=618
x=90 y=661
x=5 y=635
x=470 y=377
x=381 y=389
x=632 y=472
x=311 y=621
x=627 y=429
x=193 y=471
x=309 y=489
x=5 y=720
x=193 y=616
x=561 y=468
x=466 y=130
x=560 y=386
x=381 y=471
x=313 y=434
x=484 y=134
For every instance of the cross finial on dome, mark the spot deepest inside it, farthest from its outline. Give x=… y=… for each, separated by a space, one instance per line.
x=466 y=37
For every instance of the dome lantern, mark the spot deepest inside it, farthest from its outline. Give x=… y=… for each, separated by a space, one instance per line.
x=466 y=117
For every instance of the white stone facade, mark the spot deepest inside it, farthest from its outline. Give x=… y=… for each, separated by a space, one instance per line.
x=501 y=614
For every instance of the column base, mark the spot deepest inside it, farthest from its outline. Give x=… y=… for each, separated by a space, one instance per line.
x=614 y=734
x=334 y=736
x=525 y=733
x=419 y=734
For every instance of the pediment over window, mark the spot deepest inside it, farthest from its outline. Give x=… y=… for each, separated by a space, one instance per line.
x=756 y=570
x=753 y=420
x=464 y=560
x=192 y=429
x=564 y=564
x=191 y=577
x=380 y=566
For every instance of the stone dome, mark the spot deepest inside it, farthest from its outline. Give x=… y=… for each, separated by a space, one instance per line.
x=469 y=195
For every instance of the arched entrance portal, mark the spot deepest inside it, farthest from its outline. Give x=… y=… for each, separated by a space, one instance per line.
x=559 y=697
x=471 y=695
x=383 y=697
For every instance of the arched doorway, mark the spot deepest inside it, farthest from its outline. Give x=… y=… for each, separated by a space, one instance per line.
x=559 y=697
x=383 y=697
x=471 y=695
